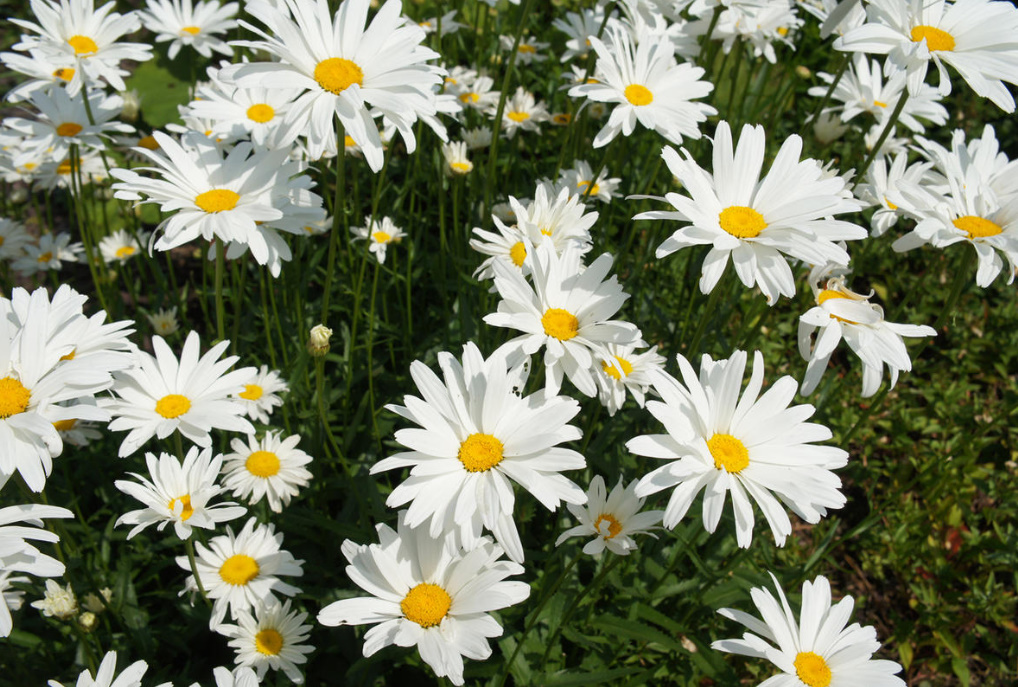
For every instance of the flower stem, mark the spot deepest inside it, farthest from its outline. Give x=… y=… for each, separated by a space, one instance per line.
x=888 y=127
x=338 y=213
x=220 y=308
x=189 y=545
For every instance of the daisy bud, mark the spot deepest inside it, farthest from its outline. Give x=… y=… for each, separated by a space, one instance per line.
x=88 y=621
x=318 y=341
x=803 y=72
x=131 y=108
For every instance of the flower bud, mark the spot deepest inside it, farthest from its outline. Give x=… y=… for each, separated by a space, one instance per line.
x=88 y=621
x=132 y=106
x=318 y=341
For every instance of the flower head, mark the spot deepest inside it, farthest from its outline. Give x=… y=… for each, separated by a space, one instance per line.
x=271 y=468
x=611 y=518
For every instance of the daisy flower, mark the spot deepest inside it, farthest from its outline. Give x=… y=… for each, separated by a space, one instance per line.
x=179 y=493
x=161 y=395
x=106 y=675
x=508 y=245
x=476 y=434
x=528 y=51
x=477 y=138
x=556 y=216
x=380 y=235
x=181 y=23
x=624 y=369
x=58 y=173
x=238 y=113
x=816 y=649
x=757 y=222
x=50 y=253
x=841 y=313
x=261 y=395
x=164 y=322
x=239 y=572
x=647 y=86
x=57 y=602
x=17 y=554
x=579 y=27
x=579 y=177
x=343 y=68
x=756 y=447
x=477 y=94
x=429 y=594
x=882 y=179
x=10 y=600
x=44 y=71
x=447 y=21
x=979 y=38
x=13 y=239
x=274 y=637
x=121 y=246
x=270 y=468
x=456 y=161
x=522 y=112
x=566 y=311
x=611 y=518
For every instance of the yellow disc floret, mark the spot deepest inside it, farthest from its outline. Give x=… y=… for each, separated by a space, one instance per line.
x=269 y=642
x=639 y=95
x=337 y=74
x=518 y=116
x=83 y=45
x=613 y=370
x=173 y=405
x=14 y=397
x=251 y=392
x=977 y=227
x=518 y=253
x=614 y=527
x=480 y=452
x=936 y=39
x=812 y=669
x=585 y=183
x=65 y=425
x=262 y=464
x=217 y=200
x=426 y=604
x=381 y=236
x=260 y=113
x=728 y=452
x=125 y=252
x=193 y=30
x=187 y=510
x=741 y=221
x=239 y=569
x=69 y=129
x=149 y=143
x=560 y=324
x=64 y=73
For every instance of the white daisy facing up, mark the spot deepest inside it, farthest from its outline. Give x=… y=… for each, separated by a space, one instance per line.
x=106 y=675
x=757 y=448
x=182 y=23
x=261 y=395
x=379 y=235
x=428 y=593
x=271 y=468
x=611 y=518
x=272 y=637
x=815 y=650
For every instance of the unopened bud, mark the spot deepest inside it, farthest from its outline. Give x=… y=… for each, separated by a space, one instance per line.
x=803 y=72
x=132 y=106
x=88 y=621
x=318 y=341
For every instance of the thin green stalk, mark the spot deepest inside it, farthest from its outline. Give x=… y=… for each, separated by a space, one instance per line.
x=842 y=68
x=220 y=307
x=238 y=305
x=708 y=312
x=371 y=359
x=707 y=37
x=338 y=213
x=888 y=127
x=189 y=545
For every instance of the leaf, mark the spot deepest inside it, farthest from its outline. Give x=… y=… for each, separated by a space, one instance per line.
x=160 y=93
x=569 y=678
x=635 y=631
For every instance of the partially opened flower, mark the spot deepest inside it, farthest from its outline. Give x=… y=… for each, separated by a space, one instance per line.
x=611 y=518
x=626 y=369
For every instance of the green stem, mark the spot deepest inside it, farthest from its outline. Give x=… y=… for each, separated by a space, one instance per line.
x=189 y=545
x=220 y=307
x=888 y=127
x=842 y=68
x=338 y=213
x=708 y=312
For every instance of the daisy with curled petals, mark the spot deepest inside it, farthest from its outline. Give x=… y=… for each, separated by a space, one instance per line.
x=270 y=468
x=161 y=395
x=261 y=395
x=179 y=493
x=556 y=216
x=180 y=22
x=757 y=222
x=611 y=518
x=815 y=650
x=345 y=69
x=238 y=572
x=429 y=593
x=106 y=675
x=272 y=637
x=566 y=311
x=979 y=38
x=757 y=448
x=476 y=436
x=626 y=369
x=646 y=85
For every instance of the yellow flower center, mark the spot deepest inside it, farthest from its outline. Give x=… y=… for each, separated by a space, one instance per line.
x=260 y=113
x=238 y=570
x=728 y=452
x=64 y=167
x=527 y=49
x=480 y=452
x=639 y=95
x=426 y=604
x=173 y=405
x=193 y=30
x=879 y=103
x=269 y=642
x=461 y=167
x=812 y=669
x=45 y=257
x=741 y=221
x=614 y=527
x=262 y=464
x=83 y=45
x=149 y=142
x=69 y=129
x=187 y=511
x=613 y=370
x=977 y=227
x=518 y=116
x=585 y=183
x=217 y=200
x=14 y=397
x=336 y=74
x=782 y=30
x=381 y=237
x=64 y=73
x=560 y=324
x=65 y=425
x=470 y=98
x=251 y=392
x=348 y=141
x=125 y=252
x=936 y=39
x=518 y=253
x=890 y=204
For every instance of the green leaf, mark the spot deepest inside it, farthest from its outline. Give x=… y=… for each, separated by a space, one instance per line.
x=160 y=93
x=571 y=679
x=635 y=631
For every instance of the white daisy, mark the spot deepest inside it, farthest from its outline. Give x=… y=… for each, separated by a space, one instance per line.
x=57 y=602
x=578 y=180
x=625 y=369
x=528 y=51
x=611 y=518
x=379 y=235
x=180 y=22
x=239 y=572
x=556 y=216
x=476 y=434
x=522 y=113
x=508 y=245
x=58 y=173
x=50 y=253
x=579 y=28
x=106 y=675
x=447 y=22
x=817 y=649
x=13 y=239
x=477 y=138
x=270 y=468
x=161 y=395
x=164 y=322
x=429 y=594
x=121 y=246
x=882 y=179
x=273 y=637
x=756 y=447
x=456 y=161
x=477 y=93
x=238 y=113
x=757 y=222
x=261 y=395
x=179 y=493
x=45 y=71
x=17 y=554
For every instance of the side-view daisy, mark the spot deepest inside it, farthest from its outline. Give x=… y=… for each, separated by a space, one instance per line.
x=270 y=468
x=180 y=22
x=611 y=518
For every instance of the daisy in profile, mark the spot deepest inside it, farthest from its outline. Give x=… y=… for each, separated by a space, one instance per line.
x=566 y=311
x=344 y=68
x=647 y=86
x=528 y=51
x=556 y=216
x=162 y=395
x=272 y=637
x=271 y=468
x=757 y=448
x=611 y=518
x=522 y=113
x=121 y=246
x=239 y=572
x=179 y=493
x=626 y=369
x=476 y=437
x=979 y=38
x=447 y=22
x=261 y=396
x=17 y=553
x=428 y=593
x=182 y=23
x=379 y=235
x=757 y=222
x=881 y=180
x=106 y=675
x=164 y=322
x=457 y=163
x=815 y=649
x=507 y=244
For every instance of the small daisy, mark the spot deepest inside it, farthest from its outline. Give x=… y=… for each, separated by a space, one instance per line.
x=121 y=246
x=161 y=395
x=179 y=493
x=528 y=51
x=427 y=593
x=50 y=253
x=757 y=448
x=380 y=235
x=54 y=174
x=16 y=553
x=241 y=571
x=578 y=179
x=477 y=93
x=274 y=637
x=456 y=161
x=612 y=519
x=447 y=22
x=239 y=113
x=182 y=23
x=272 y=468
x=106 y=675
x=477 y=138
x=508 y=246
x=58 y=602
x=261 y=395
x=881 y=180
x=625 y=369
x=579 y=28
x=164 y=322
x=522 y=112
x=814 y=650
